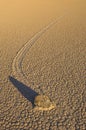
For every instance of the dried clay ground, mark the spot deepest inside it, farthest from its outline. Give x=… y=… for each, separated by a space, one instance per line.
x=43 y=51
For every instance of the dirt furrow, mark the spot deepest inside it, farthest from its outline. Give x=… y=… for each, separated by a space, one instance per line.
x=17 y=62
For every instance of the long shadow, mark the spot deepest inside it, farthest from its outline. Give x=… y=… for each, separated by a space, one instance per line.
x=26 y=91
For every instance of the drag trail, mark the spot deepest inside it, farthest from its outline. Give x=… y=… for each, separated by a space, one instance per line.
x=17 y=61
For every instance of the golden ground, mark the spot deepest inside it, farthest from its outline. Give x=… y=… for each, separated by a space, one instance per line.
x=55 y=65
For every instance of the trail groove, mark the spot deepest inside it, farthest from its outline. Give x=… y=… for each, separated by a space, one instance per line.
x=17 y=61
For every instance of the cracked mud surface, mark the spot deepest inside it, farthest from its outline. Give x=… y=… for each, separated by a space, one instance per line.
x=59 y=72
x=55 y=66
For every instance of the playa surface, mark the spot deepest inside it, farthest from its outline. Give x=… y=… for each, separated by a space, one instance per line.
x=43 y=51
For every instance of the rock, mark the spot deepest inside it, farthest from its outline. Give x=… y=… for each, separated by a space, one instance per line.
x=43 y=102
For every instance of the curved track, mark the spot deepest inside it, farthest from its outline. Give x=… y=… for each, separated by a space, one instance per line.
x=17 y=62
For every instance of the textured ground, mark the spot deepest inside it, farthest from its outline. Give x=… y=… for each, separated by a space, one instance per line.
x=55 y=65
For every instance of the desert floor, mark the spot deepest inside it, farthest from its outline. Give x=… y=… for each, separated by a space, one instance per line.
x=43 y=51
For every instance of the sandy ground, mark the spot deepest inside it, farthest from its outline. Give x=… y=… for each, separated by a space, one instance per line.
x=54 y=65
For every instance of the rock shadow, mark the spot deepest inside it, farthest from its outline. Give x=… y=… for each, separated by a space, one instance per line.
x=26 y=91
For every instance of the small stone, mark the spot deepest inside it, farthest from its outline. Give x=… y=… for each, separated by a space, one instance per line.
x=43 y=102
